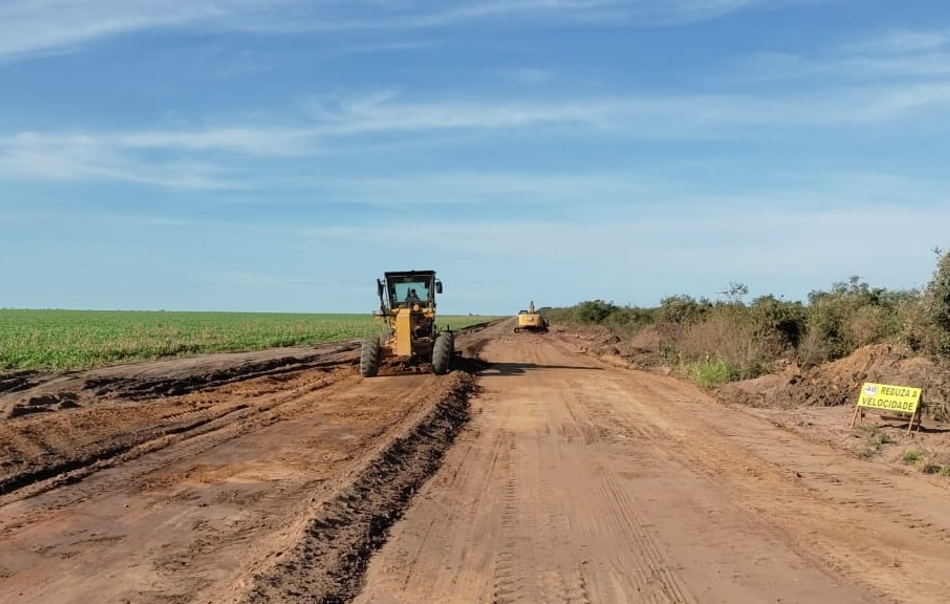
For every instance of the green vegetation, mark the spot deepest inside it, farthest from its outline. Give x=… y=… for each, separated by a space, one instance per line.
x=67 y=340
x=926 y=462
x=711 y=372
x=879 y=440
x=911 y=455
x=937 y=302
x=730 y=339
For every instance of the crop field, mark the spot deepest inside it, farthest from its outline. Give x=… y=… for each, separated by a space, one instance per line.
x=67 y=339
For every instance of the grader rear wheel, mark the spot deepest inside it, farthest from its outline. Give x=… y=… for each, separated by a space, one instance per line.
x=369 y=357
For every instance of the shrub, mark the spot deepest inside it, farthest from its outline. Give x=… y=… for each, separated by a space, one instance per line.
x=938 y=303
x=851 y=315
x=778 y=322
x=712 y=372
x=629 y=317
x=682 y=309
x=593 y=312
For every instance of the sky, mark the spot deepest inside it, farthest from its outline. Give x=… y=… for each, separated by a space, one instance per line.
x=280 y=155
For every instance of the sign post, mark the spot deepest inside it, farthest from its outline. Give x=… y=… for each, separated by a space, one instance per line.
x=893 y=399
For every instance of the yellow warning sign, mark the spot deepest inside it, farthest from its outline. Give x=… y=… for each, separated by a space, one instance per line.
x=894 y=399
x=890 y=398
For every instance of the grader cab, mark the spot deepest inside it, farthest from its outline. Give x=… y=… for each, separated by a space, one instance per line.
x=407 y=307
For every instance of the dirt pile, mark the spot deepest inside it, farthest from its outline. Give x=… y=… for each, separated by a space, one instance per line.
x=787 y=386
x=838 y=383
x=641 y=350
x=332 y=551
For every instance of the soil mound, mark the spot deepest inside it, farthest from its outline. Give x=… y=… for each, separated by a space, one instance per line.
x=838 y=383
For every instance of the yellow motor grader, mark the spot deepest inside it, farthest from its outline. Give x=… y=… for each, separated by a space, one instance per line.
x=407 y=306
x=531 y=320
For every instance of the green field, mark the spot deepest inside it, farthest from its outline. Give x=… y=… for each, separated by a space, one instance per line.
x=61 y=340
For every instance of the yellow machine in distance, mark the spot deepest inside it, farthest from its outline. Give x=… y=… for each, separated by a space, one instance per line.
x=407 y=306
x=531 y=320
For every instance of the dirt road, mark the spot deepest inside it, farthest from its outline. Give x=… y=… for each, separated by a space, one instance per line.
x=201 y=496
x=577 y=482
x=275 y=478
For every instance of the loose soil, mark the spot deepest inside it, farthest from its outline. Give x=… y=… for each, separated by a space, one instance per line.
x=535 y=472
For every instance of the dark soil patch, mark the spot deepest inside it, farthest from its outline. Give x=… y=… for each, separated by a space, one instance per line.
x=19 y=380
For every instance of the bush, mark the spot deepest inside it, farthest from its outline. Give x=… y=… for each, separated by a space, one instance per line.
x=851 y=315
x=712 y=372
x=629 y=317
x=938 y=303
x=743 y=341
x=778 y=322
x=682 y=310
x=593 y=312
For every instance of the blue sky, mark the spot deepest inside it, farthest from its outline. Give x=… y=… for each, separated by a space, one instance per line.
x=279 y=155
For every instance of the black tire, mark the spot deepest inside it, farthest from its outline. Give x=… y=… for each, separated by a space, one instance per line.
x=442 y=352
x=369 y=357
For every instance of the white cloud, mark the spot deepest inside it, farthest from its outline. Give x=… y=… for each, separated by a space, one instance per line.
x=246 y=140
x=902 y=42
x=192 y=158
x=655 y=116
x=896 y=55
x=685 y=11
x=27 y=157
x=28 y=27
x=250 y=141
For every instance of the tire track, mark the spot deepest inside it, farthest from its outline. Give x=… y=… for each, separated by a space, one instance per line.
x=589 y=500
x=231 y=420
x=507 y=582
x=656 y=580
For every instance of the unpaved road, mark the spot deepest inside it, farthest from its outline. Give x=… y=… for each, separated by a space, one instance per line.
x=573 y=481
x=577 y=482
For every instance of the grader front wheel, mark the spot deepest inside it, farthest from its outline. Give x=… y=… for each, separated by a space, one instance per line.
x=369 y=357
x=442 y=352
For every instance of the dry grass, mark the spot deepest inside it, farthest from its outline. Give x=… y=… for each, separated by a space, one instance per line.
x=725 y=346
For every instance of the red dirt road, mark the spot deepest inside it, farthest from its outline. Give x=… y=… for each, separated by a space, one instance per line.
x=577 y=482
x=572 y=481
x=226 y=483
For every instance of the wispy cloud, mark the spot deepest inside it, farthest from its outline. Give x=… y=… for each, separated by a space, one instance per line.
x=896 y=55
x=30 y=157
x=28 y=27
x=687 y=11
x=901 y=42
x=643 y=116
x=192 y=158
